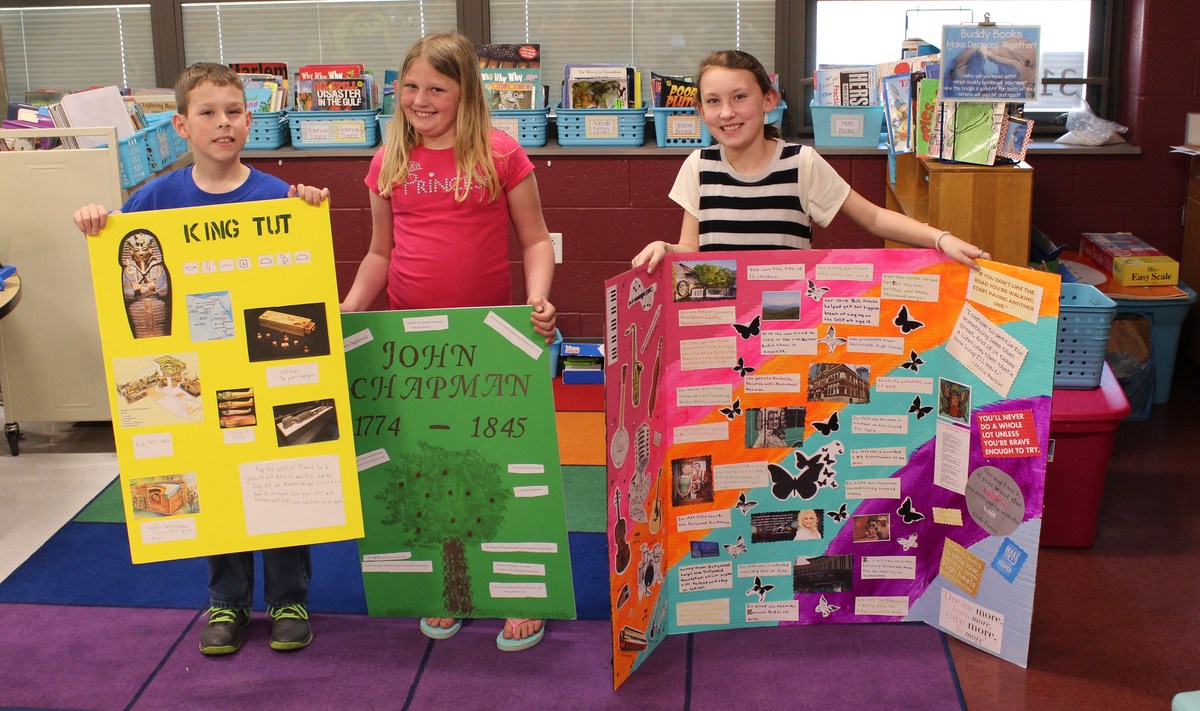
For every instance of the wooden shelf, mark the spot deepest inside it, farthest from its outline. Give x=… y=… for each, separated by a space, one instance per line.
x=989 y=206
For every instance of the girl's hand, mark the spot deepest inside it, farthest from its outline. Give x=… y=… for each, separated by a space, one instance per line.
x=651 y=255
x=90 y=219
x=544 y=317
x=309 y=194
x=961 y=251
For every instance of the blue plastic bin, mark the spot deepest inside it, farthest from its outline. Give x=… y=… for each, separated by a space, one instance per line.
x=1084 y=319
x=268 y=130
x=526 y=126
x=1166 y=317
x=847 y=126
x=601 y=127
x=131 y=155
x=680 y=127
x=334 y=129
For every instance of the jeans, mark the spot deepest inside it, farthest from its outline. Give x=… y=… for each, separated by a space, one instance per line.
x=286 y=572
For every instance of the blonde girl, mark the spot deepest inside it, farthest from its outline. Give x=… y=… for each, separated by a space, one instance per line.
x=444 y=190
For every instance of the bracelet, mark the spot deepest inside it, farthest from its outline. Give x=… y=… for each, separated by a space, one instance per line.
x=937 y=241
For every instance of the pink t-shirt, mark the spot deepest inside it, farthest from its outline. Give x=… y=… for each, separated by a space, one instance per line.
x=447 y=253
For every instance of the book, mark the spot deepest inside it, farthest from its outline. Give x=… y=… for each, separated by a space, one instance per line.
x=673 y=92
x=525 y=55
x=351 y=94
x=331 y=71
x=514 y=96
x=858 y=87
x=91 y=108
x=597 y=86
x=155 y=100
x=276 y=69
x=923 y=117
x=260 y=99
x=44 y=97
x=896 y=108
x=527 y=81
x=976 y=133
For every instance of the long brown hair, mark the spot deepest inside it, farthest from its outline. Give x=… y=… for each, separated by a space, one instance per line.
x=737 y=59
x=452 y=55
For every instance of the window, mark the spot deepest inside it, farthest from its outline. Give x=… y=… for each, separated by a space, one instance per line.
x=372 y=33
x=58 y=47
x=662 y=36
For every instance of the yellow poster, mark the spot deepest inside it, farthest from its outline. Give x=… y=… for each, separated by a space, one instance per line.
x=223 y=354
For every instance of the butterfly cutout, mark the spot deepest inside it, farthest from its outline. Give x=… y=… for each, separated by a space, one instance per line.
x=830 y=425
x=816 y=292
x=832 y=340
x=749 y=330
x=743 y=505
x=839 y=515
x=761 y=589
x=742 y=369
x=907 y=543
x=906 y=324
x=825 y=608
x=736 y=549
x=733 y=410
x=784 y=485
x=907 y=513
x=917 y=408
x=914 y=362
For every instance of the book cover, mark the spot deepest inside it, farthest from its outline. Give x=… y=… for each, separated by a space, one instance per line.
x=677 y=92
x=827 y=89
x=976 y=132
x=857 y=86
x=44 y=97
x=927 y=92
x=351 y=94
x=529 y=77
x=260 y=99
x=330 y=71
x=511 y=96
x=896 y=107
x=276 y=69
x=526 y=55
x=103 y=106
x=596 y=86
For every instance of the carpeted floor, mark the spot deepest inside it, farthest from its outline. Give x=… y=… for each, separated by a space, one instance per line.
x=83 y=628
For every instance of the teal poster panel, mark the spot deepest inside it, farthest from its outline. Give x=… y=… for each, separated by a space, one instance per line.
x=454 y=426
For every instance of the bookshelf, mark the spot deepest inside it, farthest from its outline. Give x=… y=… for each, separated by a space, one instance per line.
x=989 y=206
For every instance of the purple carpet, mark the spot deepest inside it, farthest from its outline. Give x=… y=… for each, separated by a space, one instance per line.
x=64 y=657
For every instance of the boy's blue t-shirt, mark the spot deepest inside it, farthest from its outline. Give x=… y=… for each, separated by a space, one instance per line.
x=177 y=189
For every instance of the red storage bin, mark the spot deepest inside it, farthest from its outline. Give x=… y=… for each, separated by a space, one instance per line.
x=1083 y=425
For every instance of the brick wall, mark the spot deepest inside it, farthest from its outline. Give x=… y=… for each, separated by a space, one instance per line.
x=607 y=208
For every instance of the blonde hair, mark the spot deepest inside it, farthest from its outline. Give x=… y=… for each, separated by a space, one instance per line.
x=452 y=55
x=737 y=59
x=217 y=74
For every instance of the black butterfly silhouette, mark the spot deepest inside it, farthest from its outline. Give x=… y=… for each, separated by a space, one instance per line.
x=907 y=513
x=760 y=589
x=743 y=505
x=736 y=549
x=839 y=515
x=733 y=410
x=816 y=292
x=833 y=340
x=916 y=407
x=749 y=330
x=830 y=425
x=784 y=485
x=914 y=362
x=742 y=369
x=906 y=324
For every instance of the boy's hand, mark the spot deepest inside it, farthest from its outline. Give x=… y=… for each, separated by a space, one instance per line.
x=309 y=194
x=543 y=317
x=90 y=219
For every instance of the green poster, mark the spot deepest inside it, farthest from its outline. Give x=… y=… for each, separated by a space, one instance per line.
x=458 y=465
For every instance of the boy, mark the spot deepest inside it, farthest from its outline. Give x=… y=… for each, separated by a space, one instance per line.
x=211 y=105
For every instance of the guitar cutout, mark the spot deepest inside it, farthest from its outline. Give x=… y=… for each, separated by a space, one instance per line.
x=621 y=537
x=656 y=511
x=619 y=447
x=638 y=367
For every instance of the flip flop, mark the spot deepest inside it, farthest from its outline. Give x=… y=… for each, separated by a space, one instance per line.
x=440 y=632
x=516 y=645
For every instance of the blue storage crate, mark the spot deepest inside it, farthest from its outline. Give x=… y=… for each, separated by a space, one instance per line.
x=847 y=126
x=601 y=127
x=176 y=144
x=526 y=126
x=385 y=122
x=157 y=145
x=268 y=130
x=1084 y=318
x=131 y=154
x=775 y=116
x=680 y=126
x=1166 y=319
x=334 y=129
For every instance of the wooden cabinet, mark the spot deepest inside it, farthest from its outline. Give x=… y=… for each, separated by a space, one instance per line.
x=1189 y=265
x=987 y=205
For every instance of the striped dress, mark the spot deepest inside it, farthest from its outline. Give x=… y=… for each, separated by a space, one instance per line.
x=772 y=209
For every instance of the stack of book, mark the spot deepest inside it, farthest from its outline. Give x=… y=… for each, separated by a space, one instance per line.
x=846 y=85
x=334 y=87
x=583 y=362
x=102 y=106
x=512 y=76
x=266 y=85
x=601 y=86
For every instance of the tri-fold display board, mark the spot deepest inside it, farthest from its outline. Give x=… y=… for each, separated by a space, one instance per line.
x=826 y=437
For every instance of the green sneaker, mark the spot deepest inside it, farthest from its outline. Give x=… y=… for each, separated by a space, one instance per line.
x=289 y=627
x=223 y=633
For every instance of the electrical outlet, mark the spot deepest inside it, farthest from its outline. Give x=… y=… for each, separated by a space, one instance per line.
x=556 y=240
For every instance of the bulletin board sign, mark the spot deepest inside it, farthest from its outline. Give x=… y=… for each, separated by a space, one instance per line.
x=458 y=462
x=221 y=335
x=826 y=437
x=990 y=63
